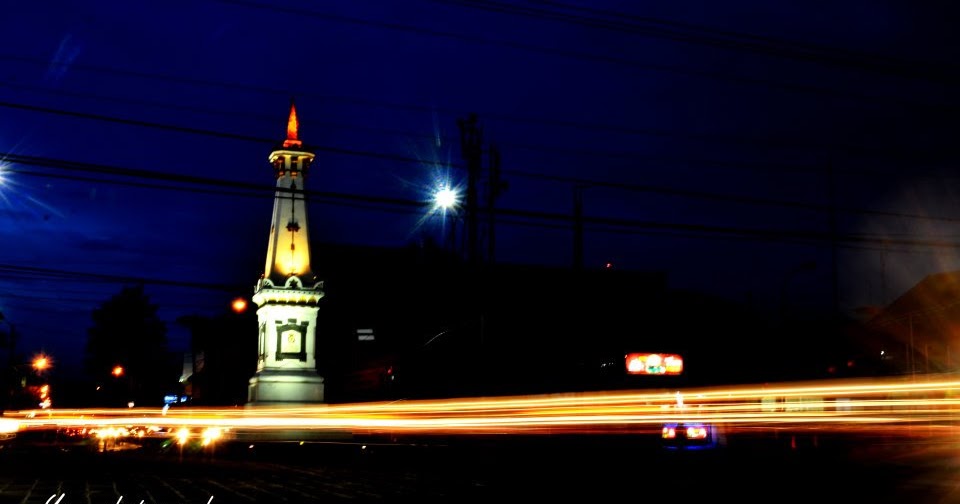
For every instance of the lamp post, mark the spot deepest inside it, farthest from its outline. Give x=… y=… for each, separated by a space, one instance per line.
x=41 y=363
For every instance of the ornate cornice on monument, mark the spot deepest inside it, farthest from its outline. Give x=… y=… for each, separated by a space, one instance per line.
x=292 y=292
x=281 y=151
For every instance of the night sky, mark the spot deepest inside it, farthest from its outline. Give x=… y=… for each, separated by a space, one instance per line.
x=711 y=140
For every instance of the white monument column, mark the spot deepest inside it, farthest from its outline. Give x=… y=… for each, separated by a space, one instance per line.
x=288 y=291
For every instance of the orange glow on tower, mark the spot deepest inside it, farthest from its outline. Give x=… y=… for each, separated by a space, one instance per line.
x=292 y=125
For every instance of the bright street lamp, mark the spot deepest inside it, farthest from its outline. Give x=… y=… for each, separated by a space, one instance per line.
x=239 y=305
x=117 y=371
x=446 y=198
x=41 y=363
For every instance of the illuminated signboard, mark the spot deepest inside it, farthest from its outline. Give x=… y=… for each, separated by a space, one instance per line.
x=654 y=364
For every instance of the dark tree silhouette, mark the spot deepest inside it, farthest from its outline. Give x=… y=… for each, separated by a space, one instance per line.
x=127 y=333
x=224 y=350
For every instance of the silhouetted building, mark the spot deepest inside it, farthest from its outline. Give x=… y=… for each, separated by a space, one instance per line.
x=417 y=322
x=919 y=332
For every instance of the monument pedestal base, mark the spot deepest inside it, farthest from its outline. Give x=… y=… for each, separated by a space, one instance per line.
x=285 y=387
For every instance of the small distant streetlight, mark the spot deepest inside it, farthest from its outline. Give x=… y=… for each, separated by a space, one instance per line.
x=183 y=435
x=41 y=363
x=210 y=435
x=117 y=371
x=446 y=198
x=239 y=305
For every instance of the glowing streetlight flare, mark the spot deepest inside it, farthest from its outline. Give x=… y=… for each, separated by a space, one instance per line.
x=239 y=305
x=117 y=371
x=41 y=363
x=210 y=434
x=445 y=198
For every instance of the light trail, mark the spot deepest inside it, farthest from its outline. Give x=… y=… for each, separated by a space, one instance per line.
x=835 y=405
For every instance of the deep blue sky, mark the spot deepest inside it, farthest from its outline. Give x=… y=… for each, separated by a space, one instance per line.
x=722 y=116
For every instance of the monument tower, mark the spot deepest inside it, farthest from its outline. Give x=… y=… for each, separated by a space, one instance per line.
x=288 y=292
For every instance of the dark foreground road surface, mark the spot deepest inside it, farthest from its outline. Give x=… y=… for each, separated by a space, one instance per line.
x=491 y=469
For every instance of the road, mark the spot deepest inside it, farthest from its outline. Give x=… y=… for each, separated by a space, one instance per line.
x=585 y=468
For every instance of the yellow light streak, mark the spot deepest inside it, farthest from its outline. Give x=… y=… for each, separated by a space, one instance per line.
x=829 y=405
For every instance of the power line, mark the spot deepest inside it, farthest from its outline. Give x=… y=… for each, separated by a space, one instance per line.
x=397 y=132
x=205 y=110
x=97 y=301
x=417 y=210
x=698 y=236
x=207 y=132
x=223 y=183
x=912 y=156
x=586 y=154
x=666 y=29
x=302 y=12
x=129 y=183
x=729 y=198
x=526 y=214
x=52 y=273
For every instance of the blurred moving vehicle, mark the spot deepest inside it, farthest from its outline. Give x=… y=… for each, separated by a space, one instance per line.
x=689 y=436
x=8 y=430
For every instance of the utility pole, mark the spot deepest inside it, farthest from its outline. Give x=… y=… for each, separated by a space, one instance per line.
x=578 y=227
x=471 y=148
x=453 y=235
x=471 y=151
x=497 y=187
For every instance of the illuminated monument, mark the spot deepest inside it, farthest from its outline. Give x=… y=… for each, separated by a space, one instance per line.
x=288 y=292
